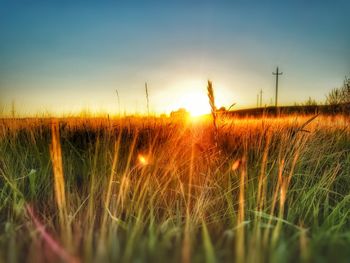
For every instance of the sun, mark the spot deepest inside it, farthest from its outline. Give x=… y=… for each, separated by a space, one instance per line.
x=196 y=103
x=192 y=96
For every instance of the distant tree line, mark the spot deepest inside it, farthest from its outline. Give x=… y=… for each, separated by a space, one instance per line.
x=340 y=96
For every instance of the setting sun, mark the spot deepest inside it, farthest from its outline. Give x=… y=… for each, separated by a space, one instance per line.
x=196 y=104
x=192 y=96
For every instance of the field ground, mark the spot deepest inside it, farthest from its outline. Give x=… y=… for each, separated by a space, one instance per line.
x=155 y=190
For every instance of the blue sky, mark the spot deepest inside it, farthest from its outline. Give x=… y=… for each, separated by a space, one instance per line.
x=64 y=56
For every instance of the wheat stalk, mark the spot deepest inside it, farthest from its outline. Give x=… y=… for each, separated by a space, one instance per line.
x=211 y=97
x=59 y=185
x=56 y=158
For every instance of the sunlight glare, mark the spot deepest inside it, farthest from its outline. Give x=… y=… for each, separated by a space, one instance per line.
x=143 y=160
x=192 y=96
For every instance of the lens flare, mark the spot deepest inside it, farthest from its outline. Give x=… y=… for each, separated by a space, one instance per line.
x=235 y=165
x=143 y=160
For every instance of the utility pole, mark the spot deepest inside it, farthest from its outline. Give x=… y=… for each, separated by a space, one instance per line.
x=261 y=92
x=257 y=100
x=277 y=73
x=147 y=98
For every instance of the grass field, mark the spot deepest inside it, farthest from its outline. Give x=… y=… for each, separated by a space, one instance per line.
x=157 y=190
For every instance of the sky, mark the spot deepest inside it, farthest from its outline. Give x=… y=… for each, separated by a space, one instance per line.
x=63 y=57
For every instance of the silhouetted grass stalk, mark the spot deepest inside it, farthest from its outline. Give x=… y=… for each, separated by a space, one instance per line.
x=211 y=97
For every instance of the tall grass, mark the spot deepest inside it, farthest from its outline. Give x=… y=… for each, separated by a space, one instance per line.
x=142 y=190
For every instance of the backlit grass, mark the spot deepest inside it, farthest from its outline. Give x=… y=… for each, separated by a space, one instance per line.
x=157 y=190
